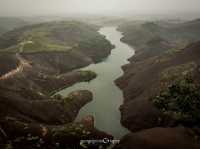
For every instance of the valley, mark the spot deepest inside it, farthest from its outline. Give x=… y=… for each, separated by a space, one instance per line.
x=66 y=81
x=107 y=96
x=30 y=74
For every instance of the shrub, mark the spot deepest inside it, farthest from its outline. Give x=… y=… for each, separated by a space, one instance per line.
x=181 y=101
x=88 y=75
x=58 y=97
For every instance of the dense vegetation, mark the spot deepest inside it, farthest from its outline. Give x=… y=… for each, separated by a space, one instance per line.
x=181 y=102
x=88 y=75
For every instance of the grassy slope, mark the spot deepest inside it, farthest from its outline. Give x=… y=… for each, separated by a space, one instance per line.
x=155 y=37
x=54 y=36
x=62 y=36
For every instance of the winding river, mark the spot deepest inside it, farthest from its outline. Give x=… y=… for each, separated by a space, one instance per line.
x=107 y=96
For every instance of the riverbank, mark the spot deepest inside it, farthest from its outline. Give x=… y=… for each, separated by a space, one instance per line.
x=159 y=62
x=40 y=120
x=73 y=78
x=107 y=96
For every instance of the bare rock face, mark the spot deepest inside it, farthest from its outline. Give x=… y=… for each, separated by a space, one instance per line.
x=159 y=138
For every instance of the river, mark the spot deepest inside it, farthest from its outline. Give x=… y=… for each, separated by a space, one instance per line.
x=107 y=97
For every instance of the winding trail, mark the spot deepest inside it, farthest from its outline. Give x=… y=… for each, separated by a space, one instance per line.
x=23 y=63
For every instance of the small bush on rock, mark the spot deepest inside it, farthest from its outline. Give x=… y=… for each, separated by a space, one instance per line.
x=181 y=102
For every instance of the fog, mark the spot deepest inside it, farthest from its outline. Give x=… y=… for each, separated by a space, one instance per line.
x=114 y=7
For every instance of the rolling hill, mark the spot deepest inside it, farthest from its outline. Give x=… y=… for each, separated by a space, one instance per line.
x=161 y=86
x=37 y=60
x=153 y=38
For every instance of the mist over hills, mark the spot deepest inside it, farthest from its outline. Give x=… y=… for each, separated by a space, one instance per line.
x=50 y=46
x=142 y=8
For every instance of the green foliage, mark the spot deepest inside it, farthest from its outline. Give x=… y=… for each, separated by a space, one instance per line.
x=178 y=72
x=172 y=51
x=71 y=130
x=181 y=101
x=88 y=75
x=53 y=36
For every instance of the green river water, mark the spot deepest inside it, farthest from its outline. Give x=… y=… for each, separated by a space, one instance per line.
x=107 y=97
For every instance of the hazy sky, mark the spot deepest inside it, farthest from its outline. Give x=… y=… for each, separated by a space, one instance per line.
x=43 y=7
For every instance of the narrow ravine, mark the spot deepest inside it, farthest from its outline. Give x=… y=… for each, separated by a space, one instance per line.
x=107 y=96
